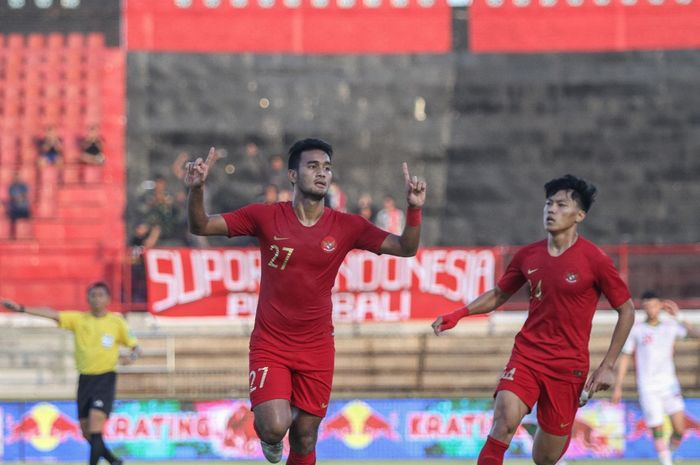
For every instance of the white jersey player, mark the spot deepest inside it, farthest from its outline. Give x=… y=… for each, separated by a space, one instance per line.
x=652 y=343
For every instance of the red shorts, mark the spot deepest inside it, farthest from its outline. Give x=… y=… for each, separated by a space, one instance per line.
x=557 y=400
x=303 y=378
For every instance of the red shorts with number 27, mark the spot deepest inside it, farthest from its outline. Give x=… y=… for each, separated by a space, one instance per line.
x=303 y=378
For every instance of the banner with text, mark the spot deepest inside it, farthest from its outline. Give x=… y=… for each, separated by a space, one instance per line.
x=358 y=429
x=369 y=287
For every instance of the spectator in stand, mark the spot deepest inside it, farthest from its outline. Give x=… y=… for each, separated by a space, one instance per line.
x=336 y=198
x=92 y=145
x=390 y=218
x=252 y=166
x=277 y=172
x=270 y=194
x=161 y=210
x=144 y=237
x=178 y=166
x=51 y=148
x=365 y=208
x=18 y=205
x=285 y=195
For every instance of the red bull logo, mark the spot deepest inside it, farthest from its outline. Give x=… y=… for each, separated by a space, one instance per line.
x=357 y=425
x=44 y=427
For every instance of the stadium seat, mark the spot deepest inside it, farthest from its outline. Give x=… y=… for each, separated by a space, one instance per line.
x=4 y=226
x=35 y=41
x=75 y=41
x=55 y=41
x=92 y=174
x=15 y=42
x=23 y=229
x=95 y=40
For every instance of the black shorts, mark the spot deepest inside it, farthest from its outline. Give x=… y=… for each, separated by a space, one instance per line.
x=96 y=391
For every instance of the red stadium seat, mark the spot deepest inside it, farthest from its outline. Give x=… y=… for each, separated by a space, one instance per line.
x=75 y=41
x=95 y=40
x=35 y=41
x=71 y=173
x=92 y=174
x=24 y=229
x=15 y=42
x=55 y=41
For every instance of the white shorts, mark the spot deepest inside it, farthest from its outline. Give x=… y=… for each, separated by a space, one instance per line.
x=657 y=404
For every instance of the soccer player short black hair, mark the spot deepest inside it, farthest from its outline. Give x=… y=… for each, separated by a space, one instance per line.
x=650 y=294
x=304 y=145
x=583 y=192
x=99 y=284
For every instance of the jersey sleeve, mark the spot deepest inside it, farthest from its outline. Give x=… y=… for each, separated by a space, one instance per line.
x=243 y=222
x=126 y=336
x=631 y=342
x=368 y=236
x=610 y=282
x=513 y=278
x=68 y=320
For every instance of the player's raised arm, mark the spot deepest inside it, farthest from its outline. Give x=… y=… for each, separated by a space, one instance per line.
x=604 y=377
x=200 y=223
x=672 y=308
x=406 y=245
x=45 y=312
x=485 y=303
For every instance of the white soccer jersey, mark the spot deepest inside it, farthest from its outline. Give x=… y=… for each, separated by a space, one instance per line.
x=653 y=349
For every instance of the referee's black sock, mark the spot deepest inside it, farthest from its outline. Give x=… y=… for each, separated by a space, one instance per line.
x=99 y=449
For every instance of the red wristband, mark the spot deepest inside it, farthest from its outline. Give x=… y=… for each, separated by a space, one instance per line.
x=450 y=320
x=413 y=217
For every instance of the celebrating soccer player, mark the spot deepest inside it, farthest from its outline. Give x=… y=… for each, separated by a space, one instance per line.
x=302 y=245
x=549 y=363
x=652 y=343
x=98 y=335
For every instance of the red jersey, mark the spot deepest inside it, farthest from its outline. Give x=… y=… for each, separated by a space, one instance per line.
x=299 y=265
x=564 y=292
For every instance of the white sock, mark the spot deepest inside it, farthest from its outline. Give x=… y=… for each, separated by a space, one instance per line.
x=665 y=457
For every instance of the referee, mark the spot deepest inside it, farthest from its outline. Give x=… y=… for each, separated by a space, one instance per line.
x=98 y=335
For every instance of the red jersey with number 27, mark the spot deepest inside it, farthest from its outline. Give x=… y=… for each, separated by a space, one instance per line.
x=564 y=293
x=299 y=265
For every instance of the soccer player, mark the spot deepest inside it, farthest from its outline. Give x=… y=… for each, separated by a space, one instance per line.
x=652 y=343
x=302 y=245
x=565 y=274
x=98 y=334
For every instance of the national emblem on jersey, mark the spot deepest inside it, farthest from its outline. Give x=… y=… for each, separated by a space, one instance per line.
x=571 y=277
x=328 y=244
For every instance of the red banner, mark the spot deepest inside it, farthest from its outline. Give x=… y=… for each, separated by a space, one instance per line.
x=583 y=25
x=225 y=282
x=289 y=26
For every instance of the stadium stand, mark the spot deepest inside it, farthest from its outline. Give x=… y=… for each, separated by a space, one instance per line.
x=76 y=230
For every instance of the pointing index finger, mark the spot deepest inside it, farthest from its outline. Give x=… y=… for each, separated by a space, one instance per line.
x=406 y=174
x=212 y=157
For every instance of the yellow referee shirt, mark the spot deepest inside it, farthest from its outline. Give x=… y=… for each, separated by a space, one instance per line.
x=97 y=340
